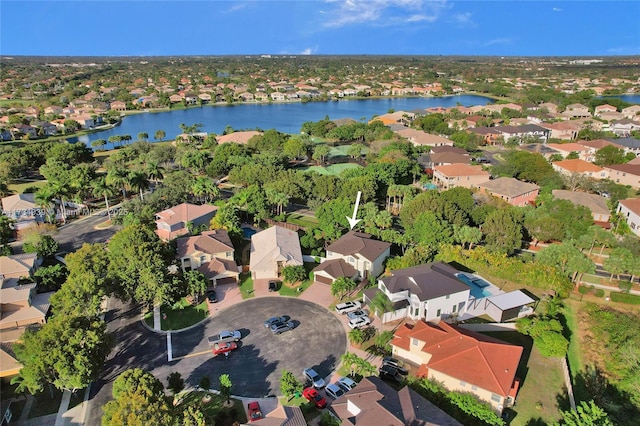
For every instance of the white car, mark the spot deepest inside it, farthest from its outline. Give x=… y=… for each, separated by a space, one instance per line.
x=343 y=308
x=311 y=375
x=346 y=384
x=356 y=314
x=359 y=322
x=334 y=391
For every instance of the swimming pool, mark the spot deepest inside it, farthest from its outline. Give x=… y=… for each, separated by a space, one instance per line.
x=479 y=287
x=248 y=232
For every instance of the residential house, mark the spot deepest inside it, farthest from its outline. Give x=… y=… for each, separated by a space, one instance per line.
x=601 y=109
x=277 y=96
x=420 y=138
x=532 y=131
x=118 y=106
x=45 y=128
x=490 y=135
x=175 y=98
x=513 y=191
x=238 y=137
x=20 y=130
x=23 y=209
x=18 y=266
x=565 y=130
x=623 y=128
x=628 y=144
x=172 y=223
x=211 y=253
x=629 y=209
x=499 y=107
x=596 y=204
x=282 y=415
x=403 y=117
x=632 y=112
x=204 y=97
x=581 y=167
x=593 y=147
x=576 y=111
x=430 y=292
x=359 y=251
x=374 y=402
x=565 y=149
x=624 y=174
x=453 y=175
x=21 y=306
x=462 y=360
x=611 y=116
x=272 y=250
x=550 y=107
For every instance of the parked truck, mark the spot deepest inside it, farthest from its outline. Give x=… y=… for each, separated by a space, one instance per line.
x=224 y=336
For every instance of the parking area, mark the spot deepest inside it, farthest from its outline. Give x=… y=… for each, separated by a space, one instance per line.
x=318 y=340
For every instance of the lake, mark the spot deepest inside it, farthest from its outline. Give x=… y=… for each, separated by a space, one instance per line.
x=285 y=117
x=632 y=99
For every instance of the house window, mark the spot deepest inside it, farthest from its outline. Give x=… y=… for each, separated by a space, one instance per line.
x=438 y=312
x=203 y=259
x=474 y=388
x=414 y=341
x=448 y=296
x=454 y=308
x=496 y=398
x=382 y=287
x=416 y=312
x=351 y=260
x=229 y=254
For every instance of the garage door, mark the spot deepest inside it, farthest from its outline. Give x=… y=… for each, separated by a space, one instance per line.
x=228 y=280
x=323 y=280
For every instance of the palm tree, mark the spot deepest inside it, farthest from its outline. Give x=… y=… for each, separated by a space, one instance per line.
x=280 y=199
x=44 y=199
x=154 y=171
x=143 y=136
x=119 y=177
x=99 y=187
x=159 y=135
x=61 y=191
x=205 y=188
x=139 y=182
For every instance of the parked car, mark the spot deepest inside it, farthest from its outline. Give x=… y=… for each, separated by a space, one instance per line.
x=224 y=336
x=388 y=372
x=359 y=322
x=356 y=314
x=221 y=348
x=311 y=394
x=482 y=160
x=396 y=363
x=268 y=323
x=343 y=308
x=334 y=391
x=311 y=375
x=255 y=413
x=212 y=297
x=281 y=327
x=273 y=285
x=346 y=383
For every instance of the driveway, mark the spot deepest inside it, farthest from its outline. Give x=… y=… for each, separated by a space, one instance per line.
x=255 y=368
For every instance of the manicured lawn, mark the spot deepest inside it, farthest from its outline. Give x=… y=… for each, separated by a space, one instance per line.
x=574 y=355
x=334 y=169
x=302 y=220
x=246 y=285
x=541 y=383
x=308 y=409
x=214 y=411
x=179 y=316
x=18 y=188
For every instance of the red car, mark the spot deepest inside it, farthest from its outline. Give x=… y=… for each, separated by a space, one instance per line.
x=312 y=395
x=221 y=348
x=255 y=413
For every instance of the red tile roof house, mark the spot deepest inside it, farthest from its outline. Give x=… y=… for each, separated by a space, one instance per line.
x=462 y=360
x=356 y=255
x=624 y=174
x=593 y=147
x=23 y=209
x=577 y=166
x=211 y=253
x=172 y=223
x=596 y=204
x=565 y=149
x=420 y=138
x=374 y=402
x=630 y=211
x=453 y=175
x=430 y=291
x=272 y=250
x=513 y=191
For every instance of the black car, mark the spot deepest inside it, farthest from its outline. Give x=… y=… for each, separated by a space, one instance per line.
x=273 y=285
x=388 y=372
x=395 y=363
x=212 y=297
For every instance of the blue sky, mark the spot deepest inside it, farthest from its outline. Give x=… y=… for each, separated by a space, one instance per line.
x=320 y=27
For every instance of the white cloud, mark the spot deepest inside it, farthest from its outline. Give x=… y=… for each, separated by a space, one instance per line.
x=383 y=12
x=236 y=7
x=462 y=18
x=556 y=9
x=503 y=40
x=309 y=51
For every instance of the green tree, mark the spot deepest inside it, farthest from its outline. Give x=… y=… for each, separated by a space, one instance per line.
x=429 y=230
x=159 y=135
x=380 y=304
x=341 y=286
x=618 y=262
x=68 y=352
x=143 y=136
x=503 y=231
x=586 y=414
x=609 y=155
x=205 y=188
x=6 y=229
x=138 y=182
x=196 y=284
x=225 y=387
x=176 y=382
x=294 y=273
x=468 y=236
x=289 y=384
x=100 y=187
x=119 y=177
x=51 y=276
x=154 y=171
x=320 y=152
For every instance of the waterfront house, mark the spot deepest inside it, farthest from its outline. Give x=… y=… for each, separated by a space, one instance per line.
x=629 y=209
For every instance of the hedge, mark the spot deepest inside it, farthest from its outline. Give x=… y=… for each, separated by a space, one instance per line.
x=630 y=299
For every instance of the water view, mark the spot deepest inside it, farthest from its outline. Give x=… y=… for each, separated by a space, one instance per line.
x=285 y=117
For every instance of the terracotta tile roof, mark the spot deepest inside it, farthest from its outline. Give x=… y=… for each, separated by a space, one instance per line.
x=359 y=243
x=568 y=147
x=632 y=204
x=632 y=169
x=183 y=213
x=479 y=360
x=596 y=143
x=508 y=187
x=458 y=169
x=218 y=266
x=336 y=268
x=210 y=242
x=448 y=148
x=17 y=265
x=418 y=137
x=577 y=166
x=595 y=203
x=449 y=158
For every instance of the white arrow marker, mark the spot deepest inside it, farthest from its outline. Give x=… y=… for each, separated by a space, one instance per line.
x=352 y=220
